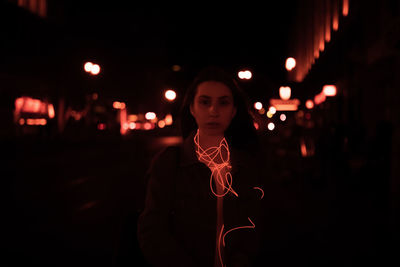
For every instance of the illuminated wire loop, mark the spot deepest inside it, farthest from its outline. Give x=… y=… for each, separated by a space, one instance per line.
x=219 y=171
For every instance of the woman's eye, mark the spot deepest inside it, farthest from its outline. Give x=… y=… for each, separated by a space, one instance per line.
x=204 y=102
x=224 y=103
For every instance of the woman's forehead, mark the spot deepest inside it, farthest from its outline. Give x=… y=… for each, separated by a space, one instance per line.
x=213 y=89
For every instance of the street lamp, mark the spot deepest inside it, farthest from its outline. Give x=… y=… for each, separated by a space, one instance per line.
x=258 y=105
x=91 y=68
x=290 y=63
x=245 y=75
x=329 y=90
x=285 y=92
x=170 y=95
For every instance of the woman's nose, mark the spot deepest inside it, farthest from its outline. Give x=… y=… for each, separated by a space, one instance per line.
x=213 y=110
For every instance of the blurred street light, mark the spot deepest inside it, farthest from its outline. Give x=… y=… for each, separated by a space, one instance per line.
x=329 y=90
x=245 y=75
x=271 y=126
x=309 y=104
x=319 y=98
x=150 y=116
x=91 y=68
x=285 y=92
x=272 y=109
x=170 y=95
x=290 y=63
x=95 y=69
x=258 y=105
x=118 y=105
x=88 y=66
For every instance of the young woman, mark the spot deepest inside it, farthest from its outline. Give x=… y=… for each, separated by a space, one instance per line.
x=202 y=197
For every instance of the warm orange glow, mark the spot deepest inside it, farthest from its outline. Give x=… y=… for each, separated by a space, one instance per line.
x=95 y=69
x=284 y=92
x=345 y=8
x=31 y=121
x=329 y=90
x=322 y=44
x=316 y=53
x=285 y=105
x=328 y=23
x=21 y=121
x=319 y=98
x=261 y=111
x=245 y=74
x=271 y=126
x=269 y=114
x=29 y=105
x=303 y=148
x=19 y=103
x=148 y=126
x=258 y=105
x=150 y=116
x=335 y=16
x=290 y=63
x=168 y=119
x=50 y=111
x=88 y=66
x=176 y=68
x=282 y=117
x=170 y=95
x=132 y=117
x=309 y=104
x=118 y=105
x=123 y=121
x=161 y=124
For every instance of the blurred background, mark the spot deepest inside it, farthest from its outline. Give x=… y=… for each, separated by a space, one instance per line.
x=90 y=91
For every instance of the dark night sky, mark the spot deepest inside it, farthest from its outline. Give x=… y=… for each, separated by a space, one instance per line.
x=136 y=44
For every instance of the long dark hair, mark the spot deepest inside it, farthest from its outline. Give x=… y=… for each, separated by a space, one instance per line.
x=241 y=132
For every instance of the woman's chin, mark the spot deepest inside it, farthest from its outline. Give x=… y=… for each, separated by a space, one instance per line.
x=212 y=132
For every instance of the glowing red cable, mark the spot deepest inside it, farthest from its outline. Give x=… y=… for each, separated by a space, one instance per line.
x=240 y=227
x=262 y=191
x=219 y=245
x=208 y=156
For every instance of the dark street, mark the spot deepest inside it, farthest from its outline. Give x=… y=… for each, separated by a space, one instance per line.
x=91 y=92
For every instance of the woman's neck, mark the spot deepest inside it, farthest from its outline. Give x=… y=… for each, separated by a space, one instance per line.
x=207 y=141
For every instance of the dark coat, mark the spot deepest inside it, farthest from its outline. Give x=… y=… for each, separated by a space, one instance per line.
x=178 y=224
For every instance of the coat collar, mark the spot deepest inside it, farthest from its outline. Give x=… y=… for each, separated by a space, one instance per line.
x=189 y=154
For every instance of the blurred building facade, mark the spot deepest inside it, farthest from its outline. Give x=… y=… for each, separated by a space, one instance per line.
x=356 y=46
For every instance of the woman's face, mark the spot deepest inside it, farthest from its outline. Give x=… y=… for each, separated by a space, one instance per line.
x=213 y=107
